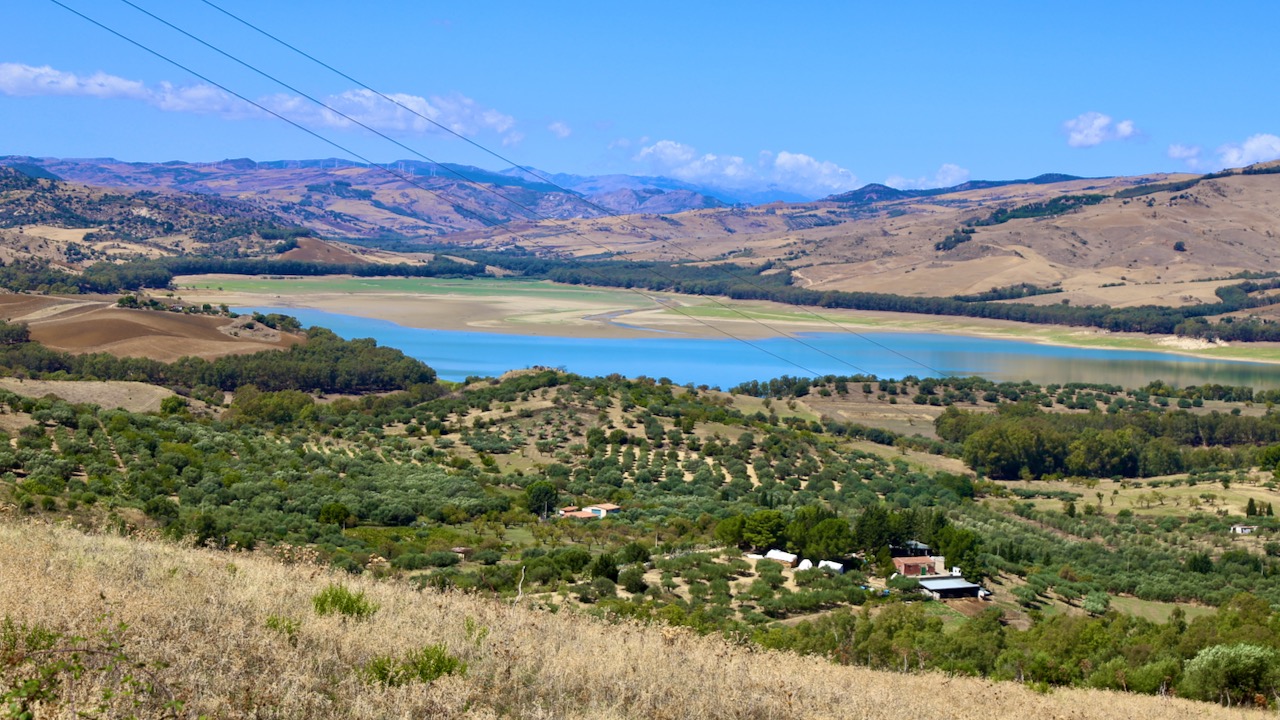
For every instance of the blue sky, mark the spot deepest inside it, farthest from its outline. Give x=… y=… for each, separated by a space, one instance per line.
x=812 y=98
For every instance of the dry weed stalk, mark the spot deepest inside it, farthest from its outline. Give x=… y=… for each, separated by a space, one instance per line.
x=203 y=621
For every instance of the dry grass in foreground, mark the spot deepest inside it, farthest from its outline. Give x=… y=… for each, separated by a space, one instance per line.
x=199 y=621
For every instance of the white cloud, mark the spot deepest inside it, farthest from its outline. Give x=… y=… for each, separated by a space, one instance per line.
x=455 y=111
x=1094 y=128
x=1255 y=149
x=27 y=80
x=560 y=129
x=16 y=79
x=807 y=174
x=794 y=172
x=407 y=114
x=512 y=138
x=667 y=153
x=1188 y=154
x=948 y=175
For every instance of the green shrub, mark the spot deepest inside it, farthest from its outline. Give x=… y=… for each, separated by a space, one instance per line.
x=425 y=665
x=442 y=558
x=487 y=557
x=1232 y=674
x=633 y=580
x=411 y=561
x=286 y=626
x=41 y=666
x=604 y=587
x=338 y=599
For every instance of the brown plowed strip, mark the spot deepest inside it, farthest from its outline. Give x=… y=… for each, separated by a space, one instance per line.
x=84 y=325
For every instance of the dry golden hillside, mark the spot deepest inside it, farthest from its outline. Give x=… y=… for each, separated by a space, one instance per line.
x=1171 y=246
x=235 y=635
x=1119 y=252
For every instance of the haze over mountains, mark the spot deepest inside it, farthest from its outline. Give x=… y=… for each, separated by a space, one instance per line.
x=1159 y=238
x=294 y=180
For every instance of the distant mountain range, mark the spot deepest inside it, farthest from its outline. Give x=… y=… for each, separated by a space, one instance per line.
x=449 y=197
x=603 y=184
x=468 y=193
x=1149 y=239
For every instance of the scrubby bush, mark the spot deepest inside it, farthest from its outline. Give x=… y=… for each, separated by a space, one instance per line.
x=632 y=579
x=338 y=599
x=423 y=666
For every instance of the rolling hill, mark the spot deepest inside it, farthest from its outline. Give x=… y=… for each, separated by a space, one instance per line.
x=1154 y=239
x=1159 y=239
x=346 y=199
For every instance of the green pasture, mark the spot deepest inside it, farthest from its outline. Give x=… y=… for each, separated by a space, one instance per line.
x=476 y=288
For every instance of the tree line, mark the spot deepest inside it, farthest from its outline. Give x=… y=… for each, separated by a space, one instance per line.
x=1021 y=440
x=323 y=363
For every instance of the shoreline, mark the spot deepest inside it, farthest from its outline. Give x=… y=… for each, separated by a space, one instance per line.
x=544 y=309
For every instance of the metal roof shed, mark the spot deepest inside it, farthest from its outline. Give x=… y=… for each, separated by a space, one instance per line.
x=951 y=587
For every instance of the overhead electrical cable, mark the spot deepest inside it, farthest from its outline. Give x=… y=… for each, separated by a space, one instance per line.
x=411 y=181
x=543 y=178
x=486 y=188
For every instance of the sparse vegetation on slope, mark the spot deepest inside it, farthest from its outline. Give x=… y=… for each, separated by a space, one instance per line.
x=237 y=636
x=460 y=491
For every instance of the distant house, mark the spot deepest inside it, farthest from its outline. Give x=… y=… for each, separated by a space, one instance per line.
x=1244 y=529
x=805 y=564
x=910 y=548
x=786 y=558
x=920 y=566
x=590 y=512
x=950 y=587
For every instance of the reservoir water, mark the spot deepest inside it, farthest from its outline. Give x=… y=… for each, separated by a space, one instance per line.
x=456 y=355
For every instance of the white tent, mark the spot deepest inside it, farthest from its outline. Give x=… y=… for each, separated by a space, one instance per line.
x=781 y=556
x=832 y=566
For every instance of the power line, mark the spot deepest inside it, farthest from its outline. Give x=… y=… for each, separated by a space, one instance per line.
x=353 y=153
x=530 y=171
x=531 y=211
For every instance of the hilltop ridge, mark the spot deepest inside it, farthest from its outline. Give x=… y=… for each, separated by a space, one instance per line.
x=1159 y=239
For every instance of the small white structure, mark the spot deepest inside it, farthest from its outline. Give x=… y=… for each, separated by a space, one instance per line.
x=786 y=558
x=805 y=564
x=1244 y=529
x=831 y=566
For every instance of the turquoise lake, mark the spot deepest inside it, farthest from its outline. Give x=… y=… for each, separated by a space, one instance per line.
x=724 y=363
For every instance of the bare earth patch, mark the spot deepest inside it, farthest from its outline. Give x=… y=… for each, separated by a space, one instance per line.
x=92 y=324
x=131 y=396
